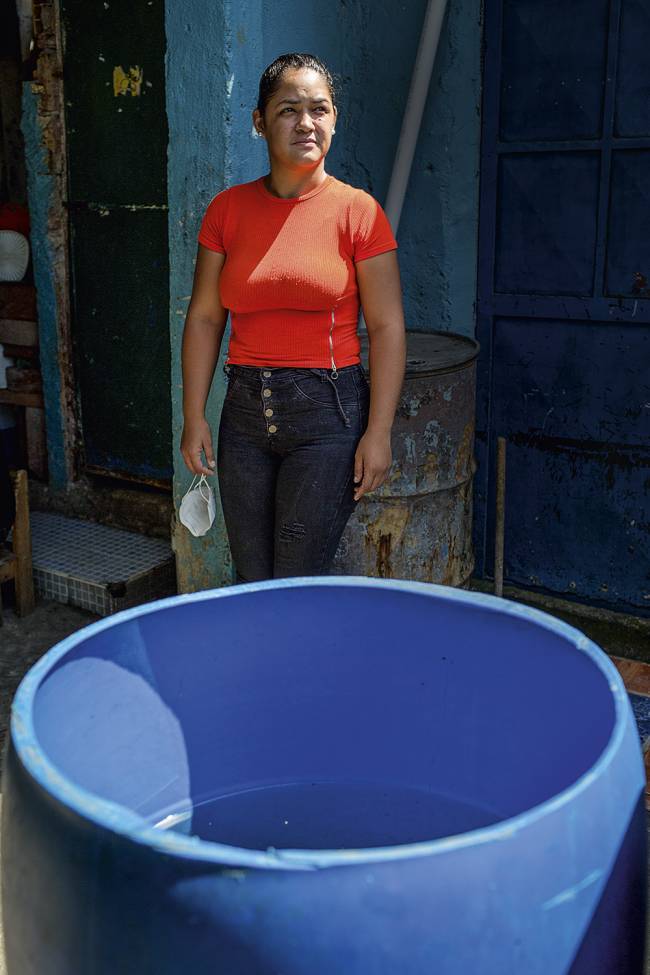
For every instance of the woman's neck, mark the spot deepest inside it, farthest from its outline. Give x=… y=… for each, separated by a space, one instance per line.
x=288 y=185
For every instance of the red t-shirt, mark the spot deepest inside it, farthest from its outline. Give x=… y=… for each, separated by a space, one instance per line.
x=289 y=279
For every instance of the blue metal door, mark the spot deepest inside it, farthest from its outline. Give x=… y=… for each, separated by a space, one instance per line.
x=564 y=296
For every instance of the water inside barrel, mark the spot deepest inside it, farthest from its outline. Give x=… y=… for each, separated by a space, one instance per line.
x=326 y=816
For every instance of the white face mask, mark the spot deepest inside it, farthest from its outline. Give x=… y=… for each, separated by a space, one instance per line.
x=198 y=507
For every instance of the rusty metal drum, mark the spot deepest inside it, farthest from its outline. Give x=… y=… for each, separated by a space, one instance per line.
x=418 y=525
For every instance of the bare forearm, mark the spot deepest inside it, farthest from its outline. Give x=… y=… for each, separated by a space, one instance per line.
x=387 y=363
x=199 y=354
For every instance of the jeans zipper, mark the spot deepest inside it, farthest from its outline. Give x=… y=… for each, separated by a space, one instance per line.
x=335 y=374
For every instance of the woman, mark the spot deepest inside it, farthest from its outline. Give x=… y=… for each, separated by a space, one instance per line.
x=291 y=255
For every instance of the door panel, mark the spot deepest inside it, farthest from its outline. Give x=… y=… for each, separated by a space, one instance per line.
x=564 y=300
x=633 y=75
x=117 y=160
x=576 y=494
x=114 y=75
x=552 y=79
x=121 y=281
x=628 y=251
x=546 y=220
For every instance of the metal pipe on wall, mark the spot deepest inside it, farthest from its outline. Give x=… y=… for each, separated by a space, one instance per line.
x=411 y=122
x=408 y=137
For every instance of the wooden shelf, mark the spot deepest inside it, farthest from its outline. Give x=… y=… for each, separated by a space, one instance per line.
x=14 y=397
x=16 y=332
x=18 y=300
x=20 y=351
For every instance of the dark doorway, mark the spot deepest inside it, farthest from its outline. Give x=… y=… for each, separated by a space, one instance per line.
x=116 y=124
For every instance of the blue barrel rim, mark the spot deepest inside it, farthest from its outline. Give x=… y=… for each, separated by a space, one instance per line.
x=122 y=821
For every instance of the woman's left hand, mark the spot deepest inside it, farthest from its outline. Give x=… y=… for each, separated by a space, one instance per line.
x=371 y=462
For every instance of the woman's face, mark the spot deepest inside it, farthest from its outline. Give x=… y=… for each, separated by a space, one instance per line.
x=298 y=119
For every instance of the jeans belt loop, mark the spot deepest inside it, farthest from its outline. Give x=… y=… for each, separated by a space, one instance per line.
x=345 y=417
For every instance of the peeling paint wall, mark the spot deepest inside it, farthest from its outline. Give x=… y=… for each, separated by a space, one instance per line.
x=215 y=54
x=43 y=132
x=41 y=190
x=198 y=111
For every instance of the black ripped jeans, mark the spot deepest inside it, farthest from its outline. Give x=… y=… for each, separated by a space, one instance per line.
x=285 y=462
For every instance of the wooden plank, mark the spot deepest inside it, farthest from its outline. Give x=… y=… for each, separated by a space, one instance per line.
x=20 y=351
x=22 y=546
x=23 y=379
x=18 y=301
x=18 y=332
x=36 y=442
x=13 y=397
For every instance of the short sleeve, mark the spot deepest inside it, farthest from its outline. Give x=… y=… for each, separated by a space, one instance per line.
x=211 y=234
x=371 y=232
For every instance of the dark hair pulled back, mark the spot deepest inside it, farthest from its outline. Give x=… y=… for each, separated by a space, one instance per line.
x=271 y=77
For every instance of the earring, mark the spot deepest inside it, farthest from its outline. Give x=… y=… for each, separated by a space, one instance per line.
x=333 y=131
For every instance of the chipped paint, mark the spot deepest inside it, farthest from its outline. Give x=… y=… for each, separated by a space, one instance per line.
x=127 y=82
x=465 y=453
x=42 y=129
x=418 y=524
x=410 y=449
x=432 y=434
x=431 y=467
x=384 y=534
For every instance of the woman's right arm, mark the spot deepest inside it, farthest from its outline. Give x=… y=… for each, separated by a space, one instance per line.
x=204 y=327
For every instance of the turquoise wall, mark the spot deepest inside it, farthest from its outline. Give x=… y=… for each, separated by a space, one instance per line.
x=215 y=54
x=198 y=111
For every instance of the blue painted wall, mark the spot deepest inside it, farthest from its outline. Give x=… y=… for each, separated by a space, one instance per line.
x=198 y=112
x=215 y=55
x=40 y=189
x=439 y=226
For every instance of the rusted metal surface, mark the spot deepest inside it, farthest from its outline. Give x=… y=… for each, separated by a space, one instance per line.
x=50 y=245
x=418 y=525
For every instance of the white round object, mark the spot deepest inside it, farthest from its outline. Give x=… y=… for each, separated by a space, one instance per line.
x=14 y=255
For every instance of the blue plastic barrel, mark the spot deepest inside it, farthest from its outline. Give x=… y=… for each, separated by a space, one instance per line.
x=332 y=776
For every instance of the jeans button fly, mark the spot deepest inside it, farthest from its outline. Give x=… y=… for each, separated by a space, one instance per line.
x=268 y=412
x=272 y=428
x=267 y=392
x=266 y=374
